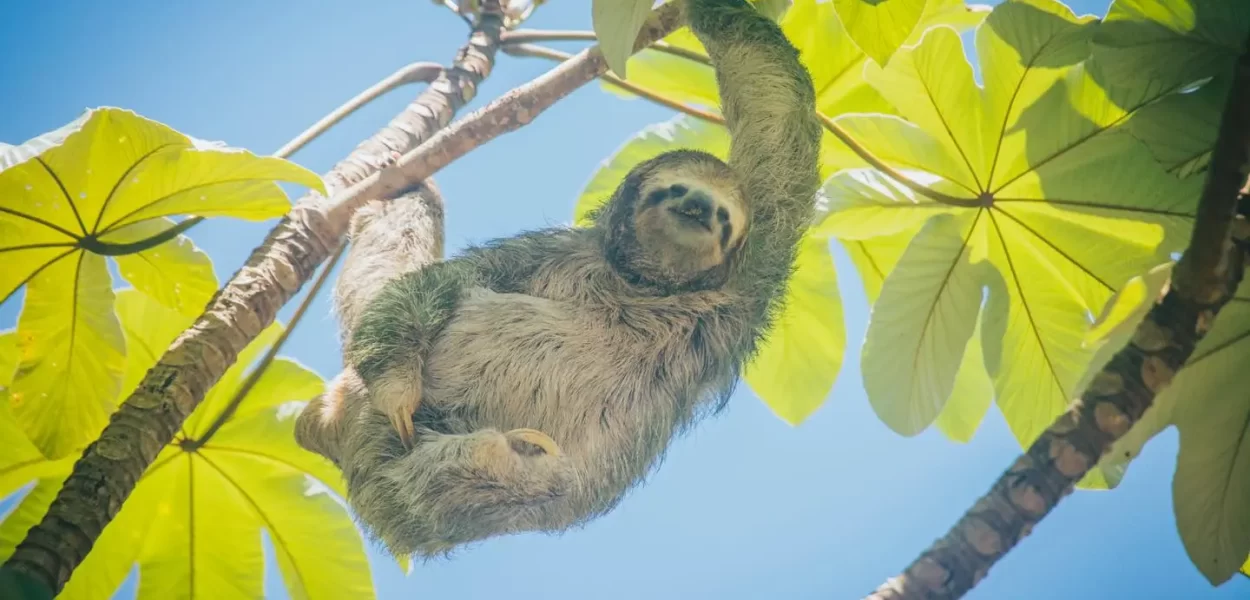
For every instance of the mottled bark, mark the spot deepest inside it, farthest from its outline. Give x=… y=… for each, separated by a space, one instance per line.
x=107 y=472
x=1204 y=279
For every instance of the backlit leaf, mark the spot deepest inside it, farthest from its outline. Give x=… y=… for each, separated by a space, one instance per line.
x=73 y=355
x=799 y=361
x=879 y=28
x=175 y=273
x=1073 y=205
x=109 y=177
x=1211 y=489
x=193 y=524
x=616 y=24
x=921 y=324
x=1175 y=42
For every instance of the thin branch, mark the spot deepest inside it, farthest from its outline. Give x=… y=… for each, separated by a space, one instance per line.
x=272 y=353
x=536 y=51
x=417 y=72
x=1204 y=280
x=520 y=36
x=505 y=114
x=147 y=421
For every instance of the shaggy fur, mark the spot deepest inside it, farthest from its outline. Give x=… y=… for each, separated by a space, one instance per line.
x=543 y=375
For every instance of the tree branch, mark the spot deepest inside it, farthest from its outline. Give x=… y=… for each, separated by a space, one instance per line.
x=109 y=468
x=1203 y=281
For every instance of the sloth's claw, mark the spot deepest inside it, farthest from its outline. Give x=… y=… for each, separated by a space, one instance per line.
x=523 y=440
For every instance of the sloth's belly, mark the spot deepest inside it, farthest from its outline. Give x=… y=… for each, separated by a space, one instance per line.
x=511 y=360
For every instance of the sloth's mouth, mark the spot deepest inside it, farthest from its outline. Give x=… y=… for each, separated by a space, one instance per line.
x=693 y=218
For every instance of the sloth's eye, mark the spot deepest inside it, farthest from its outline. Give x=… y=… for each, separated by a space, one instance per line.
x=677 y=190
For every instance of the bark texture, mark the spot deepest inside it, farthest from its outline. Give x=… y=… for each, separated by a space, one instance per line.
x=1203 y=281
x=110 y=467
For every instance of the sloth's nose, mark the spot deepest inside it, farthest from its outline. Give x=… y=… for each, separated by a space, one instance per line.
x=698 y=205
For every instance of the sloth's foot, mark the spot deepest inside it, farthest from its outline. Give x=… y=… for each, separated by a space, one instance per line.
x=399 y=408
x=531 y=442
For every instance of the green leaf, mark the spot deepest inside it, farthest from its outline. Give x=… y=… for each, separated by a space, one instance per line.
x=932 y=86
x=874 y=258
x=104 y=178
x=831 y=57
x=879 y=28
x=1174 y=42
x=860 y=204
x=616 y=24
x=921 y=324
x=972 y=395
x=1071 y=203
x=175 y=273
x=1211 y=489
x=210 y=497
x=1180 y=129
x=73 y=355
x=798 y=362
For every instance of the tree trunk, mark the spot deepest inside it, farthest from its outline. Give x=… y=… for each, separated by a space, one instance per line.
x=1204 y=279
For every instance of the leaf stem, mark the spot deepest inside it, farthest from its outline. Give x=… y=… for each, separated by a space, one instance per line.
x=93 y=244
x=417 y=72
x=880 y=165
x=536 y=51
x=514 y=46
x=520 y=36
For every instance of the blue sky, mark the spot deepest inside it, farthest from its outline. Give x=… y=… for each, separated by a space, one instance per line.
x=746 y=506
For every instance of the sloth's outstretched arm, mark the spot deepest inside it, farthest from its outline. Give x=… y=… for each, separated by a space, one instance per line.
x=769 y=106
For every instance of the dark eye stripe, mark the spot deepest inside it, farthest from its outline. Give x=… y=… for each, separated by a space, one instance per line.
x=678 y=189
x=725 y=231
x=656 y=197
x=722 y=215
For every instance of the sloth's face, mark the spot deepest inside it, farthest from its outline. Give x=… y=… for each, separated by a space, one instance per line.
x=689 y=217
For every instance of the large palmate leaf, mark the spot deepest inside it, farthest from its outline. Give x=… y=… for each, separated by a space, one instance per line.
x=1172 y=42
x=798 y=363
x=101 y=185
x=830 y=55
x=194 y=523
x=1040 y=169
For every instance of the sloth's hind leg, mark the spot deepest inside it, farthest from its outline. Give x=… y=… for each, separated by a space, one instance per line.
x=451 y=489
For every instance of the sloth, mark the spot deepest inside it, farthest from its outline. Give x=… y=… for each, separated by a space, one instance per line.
x=528 y=383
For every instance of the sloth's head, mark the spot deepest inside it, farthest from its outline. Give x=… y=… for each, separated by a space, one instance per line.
x=677 y=221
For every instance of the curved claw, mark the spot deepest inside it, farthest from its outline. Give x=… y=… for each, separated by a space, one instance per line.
x=536 y=438
x=398 y=400
x=401 y=420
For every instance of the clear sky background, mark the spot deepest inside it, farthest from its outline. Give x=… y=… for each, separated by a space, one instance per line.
x=746 y=506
